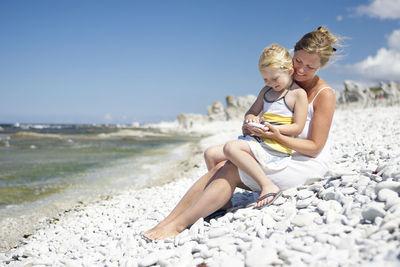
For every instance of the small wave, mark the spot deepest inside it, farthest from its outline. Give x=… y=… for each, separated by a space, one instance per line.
x=118 y=134
x=132 y=133
x=36 y=135
x=36 y=126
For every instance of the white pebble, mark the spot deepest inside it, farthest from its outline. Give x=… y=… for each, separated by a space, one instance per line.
x=373 y=211
x=302 y=220
x=303 y=194
x=387 y=194
x=259 y=257
x=217 y=232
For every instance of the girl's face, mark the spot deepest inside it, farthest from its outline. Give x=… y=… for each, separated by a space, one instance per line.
x=305 y=65
x=277 y=79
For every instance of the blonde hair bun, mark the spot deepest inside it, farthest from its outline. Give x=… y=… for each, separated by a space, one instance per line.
x=332 y=38
x=276 y=57
x=320 y=41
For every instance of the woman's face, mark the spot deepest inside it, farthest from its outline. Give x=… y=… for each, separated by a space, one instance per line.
x=305 y=65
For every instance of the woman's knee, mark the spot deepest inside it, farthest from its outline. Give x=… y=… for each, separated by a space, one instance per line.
x=230 y=172
x=208 y=153
x=212 y=152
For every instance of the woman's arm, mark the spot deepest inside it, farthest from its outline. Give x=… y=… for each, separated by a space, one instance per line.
x=324 y=107
x=300 y=110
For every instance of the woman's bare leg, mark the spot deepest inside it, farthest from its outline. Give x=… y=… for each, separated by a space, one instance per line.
x=214 y=155
x=239 y=152
x=189 y=198
x=215 y=195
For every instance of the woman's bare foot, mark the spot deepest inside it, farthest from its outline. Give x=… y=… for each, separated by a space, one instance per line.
x=150 y=232
x=265 y=190
x=157 y=233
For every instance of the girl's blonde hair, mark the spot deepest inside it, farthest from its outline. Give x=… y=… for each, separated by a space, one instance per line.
x=319 y=41
x=276 y=57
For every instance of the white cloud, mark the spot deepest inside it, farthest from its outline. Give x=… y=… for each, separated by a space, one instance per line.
x=383 y=9
x=385 y=65
x=394 y=40
x=339 y=18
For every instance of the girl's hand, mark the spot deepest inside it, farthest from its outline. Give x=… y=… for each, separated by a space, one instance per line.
x=252 y=118
x=257 y=131
x=246 y=129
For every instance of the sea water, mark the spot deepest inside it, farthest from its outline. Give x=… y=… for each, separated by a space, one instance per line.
x=47 y=168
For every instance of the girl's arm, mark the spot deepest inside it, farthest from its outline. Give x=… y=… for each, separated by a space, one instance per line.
x=300 y=111
x=255 y=109
x=324 y=107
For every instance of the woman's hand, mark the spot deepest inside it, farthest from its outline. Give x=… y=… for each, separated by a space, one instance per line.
x=269 y=131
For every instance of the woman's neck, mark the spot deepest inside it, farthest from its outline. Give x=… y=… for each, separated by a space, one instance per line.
x=290 y=83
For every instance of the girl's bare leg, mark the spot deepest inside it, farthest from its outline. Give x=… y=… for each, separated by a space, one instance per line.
x=189 y=198
x=214 y=155
x=215 y=195
x=239 y=152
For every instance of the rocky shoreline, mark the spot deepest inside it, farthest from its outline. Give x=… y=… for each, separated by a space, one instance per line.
x=349 y=218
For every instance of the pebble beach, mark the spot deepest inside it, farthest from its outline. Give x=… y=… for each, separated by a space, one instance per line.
x=351 y=217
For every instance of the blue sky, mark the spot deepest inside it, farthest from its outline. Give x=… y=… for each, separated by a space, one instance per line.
x=97 y=61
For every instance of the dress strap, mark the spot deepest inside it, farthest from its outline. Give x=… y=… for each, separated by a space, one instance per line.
x=282 y=97
x=287 y=91
x=319 y=91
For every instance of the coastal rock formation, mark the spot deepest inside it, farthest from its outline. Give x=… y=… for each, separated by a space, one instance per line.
x=236 y=108
x=390 y=92
x=216 y=112
x=189 y=120
x=355 y=93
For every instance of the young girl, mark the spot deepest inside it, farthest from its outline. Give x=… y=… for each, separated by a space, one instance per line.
x=283 y=104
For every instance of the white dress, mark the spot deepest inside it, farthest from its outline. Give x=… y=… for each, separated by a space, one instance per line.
x=301 y=167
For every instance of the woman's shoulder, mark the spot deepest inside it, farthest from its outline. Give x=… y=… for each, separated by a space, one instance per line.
x=323 y=89
x=324 y=95
x=322 y=85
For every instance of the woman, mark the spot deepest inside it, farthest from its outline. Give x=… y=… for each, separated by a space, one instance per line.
x=214 y=190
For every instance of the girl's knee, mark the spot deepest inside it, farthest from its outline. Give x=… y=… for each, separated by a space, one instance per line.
x=211 y=154
x=230 y=148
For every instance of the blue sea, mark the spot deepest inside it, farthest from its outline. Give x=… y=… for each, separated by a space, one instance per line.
x=45 y=168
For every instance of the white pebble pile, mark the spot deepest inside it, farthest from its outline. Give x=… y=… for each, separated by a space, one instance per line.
x=350 y=218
